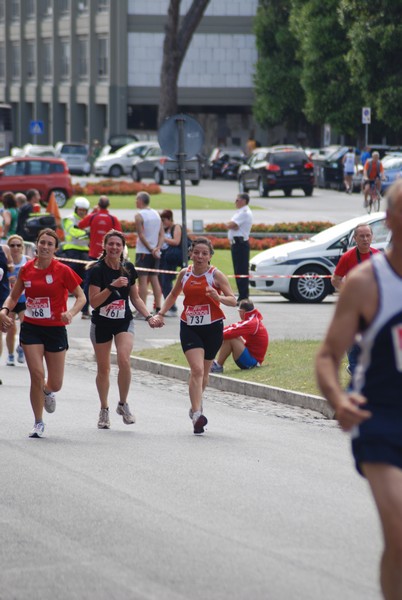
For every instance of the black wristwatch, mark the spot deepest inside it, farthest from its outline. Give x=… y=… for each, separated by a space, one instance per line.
x=148 y=318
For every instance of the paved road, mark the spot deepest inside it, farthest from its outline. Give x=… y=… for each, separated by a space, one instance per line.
x=265 y=505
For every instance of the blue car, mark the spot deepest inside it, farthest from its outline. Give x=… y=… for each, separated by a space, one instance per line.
x=392 y=170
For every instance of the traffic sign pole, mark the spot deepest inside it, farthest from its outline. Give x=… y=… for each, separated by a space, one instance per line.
x=366 y=120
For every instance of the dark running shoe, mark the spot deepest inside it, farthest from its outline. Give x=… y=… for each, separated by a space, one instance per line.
x=199 y=422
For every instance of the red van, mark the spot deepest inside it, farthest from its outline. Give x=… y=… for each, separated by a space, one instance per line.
x=47 y=175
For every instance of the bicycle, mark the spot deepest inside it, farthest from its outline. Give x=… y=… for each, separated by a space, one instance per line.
x=374 y=198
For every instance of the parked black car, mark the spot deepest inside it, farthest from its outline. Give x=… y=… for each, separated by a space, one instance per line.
x=277 y=168
x=225 y=162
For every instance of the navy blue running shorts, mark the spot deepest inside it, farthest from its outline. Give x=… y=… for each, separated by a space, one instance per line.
x=146 y=261
x=103 y=332
x=377 y=450
x=54 y=339
x=209 y=337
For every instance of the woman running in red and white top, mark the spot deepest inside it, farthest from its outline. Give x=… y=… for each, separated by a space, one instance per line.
x=201 y=322
x=43 y=334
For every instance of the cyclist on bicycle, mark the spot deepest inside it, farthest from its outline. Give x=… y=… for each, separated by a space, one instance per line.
x=373 y=173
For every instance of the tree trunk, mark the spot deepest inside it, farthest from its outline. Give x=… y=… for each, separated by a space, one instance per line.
x=178 y=35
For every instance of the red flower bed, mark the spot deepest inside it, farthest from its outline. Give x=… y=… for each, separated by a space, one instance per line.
x=299 y=227
x=119 y=188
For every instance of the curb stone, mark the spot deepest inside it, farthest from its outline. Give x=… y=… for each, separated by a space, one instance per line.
x=229 y=384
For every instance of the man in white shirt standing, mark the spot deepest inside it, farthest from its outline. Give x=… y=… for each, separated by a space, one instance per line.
x=150 y=236
x=239 y=231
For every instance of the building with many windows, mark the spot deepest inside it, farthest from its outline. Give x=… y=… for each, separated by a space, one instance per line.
x=90 y=68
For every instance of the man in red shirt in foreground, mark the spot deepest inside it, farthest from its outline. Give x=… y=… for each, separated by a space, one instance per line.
x=363 y=236
x=247 y=340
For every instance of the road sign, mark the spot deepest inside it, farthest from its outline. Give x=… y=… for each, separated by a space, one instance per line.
x=36 y=127
x=366 y=115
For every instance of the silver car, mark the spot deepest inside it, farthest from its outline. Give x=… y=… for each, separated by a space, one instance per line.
x=76 y=155
x=120 y=162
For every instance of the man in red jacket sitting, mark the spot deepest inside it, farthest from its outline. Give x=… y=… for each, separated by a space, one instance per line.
x=247 y=340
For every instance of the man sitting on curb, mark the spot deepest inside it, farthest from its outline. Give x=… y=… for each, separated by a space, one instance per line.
x=247 y=340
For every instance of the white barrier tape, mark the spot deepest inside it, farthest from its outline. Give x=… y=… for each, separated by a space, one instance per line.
x=305 y=276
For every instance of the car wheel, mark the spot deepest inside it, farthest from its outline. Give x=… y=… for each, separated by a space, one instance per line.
x=242 y=187
x=158 y=177
x=115 y=171
x=287 y=191
x=262 y=188
x=195 y=181
x=60 y=197
x=310 y=289
x=135 y=174
x=308 y=190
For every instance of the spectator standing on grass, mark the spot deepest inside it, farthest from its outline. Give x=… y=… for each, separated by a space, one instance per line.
x=201 y=322
x=99 y=222
x=247 y=340
x=31 y=207
x=150 y=237
x=239 y=228
x=370 y=304
x=363 y=236
x=10 y=214
x=171 y=255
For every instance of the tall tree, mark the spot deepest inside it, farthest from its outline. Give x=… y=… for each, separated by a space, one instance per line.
x=375 y=33
x=325 y=77
x=279 y=95
x=178 y=35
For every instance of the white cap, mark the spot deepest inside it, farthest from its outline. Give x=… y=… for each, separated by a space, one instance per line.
x=81 y=202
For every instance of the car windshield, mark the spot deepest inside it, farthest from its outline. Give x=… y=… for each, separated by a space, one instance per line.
x=343 y=229
x=392 y=162
x=74 y=149
x=283 y=159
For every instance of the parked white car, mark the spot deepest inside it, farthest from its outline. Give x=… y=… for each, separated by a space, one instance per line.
x=120 y=162
x=272 y=270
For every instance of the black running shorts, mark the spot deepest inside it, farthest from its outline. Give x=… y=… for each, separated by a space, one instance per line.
x=54 y=339
x=103 y=332
x=209 y=337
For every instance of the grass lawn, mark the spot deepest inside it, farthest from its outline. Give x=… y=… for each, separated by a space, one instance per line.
x=289 y=364
x=161 y=201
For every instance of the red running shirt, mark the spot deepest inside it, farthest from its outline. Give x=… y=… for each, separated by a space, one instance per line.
x=199 y=309
x=46 y=292
x=99 y=223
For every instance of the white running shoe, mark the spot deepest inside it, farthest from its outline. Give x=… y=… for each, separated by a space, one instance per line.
x=124 y=411
x=50 y=401
x=20 y=355
x=38 y=430
x=103 y=421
